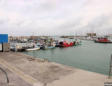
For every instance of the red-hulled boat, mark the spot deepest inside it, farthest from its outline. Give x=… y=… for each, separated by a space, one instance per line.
x=65 y=44
x=103 y=40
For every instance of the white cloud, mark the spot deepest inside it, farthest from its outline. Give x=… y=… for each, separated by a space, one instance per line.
x=23 y=17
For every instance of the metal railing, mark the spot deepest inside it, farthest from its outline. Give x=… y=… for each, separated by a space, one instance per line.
x=5 y=74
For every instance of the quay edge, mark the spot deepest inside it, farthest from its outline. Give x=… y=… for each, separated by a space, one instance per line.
x=50 y=73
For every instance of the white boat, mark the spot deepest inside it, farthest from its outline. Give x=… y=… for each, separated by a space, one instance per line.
x=33 y=49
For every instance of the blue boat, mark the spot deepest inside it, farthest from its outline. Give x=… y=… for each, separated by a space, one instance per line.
x=51 y=47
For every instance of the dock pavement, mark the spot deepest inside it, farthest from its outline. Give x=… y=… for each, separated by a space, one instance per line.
x=25 y=70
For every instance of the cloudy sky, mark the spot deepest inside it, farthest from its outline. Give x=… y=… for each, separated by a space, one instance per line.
x=55 y=17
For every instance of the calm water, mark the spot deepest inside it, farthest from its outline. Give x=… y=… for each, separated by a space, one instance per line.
x=90 y=56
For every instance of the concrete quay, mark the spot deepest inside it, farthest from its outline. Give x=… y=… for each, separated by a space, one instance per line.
x=24 y=70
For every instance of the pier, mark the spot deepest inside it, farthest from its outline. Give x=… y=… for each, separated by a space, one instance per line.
x=24 y=70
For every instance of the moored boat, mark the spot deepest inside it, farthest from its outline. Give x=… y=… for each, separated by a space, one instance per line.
x=65 y=44
x=33 y=49
x=77 y=43
x=51 y=47
x=103 y=40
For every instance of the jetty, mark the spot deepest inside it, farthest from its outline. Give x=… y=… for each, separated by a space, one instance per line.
x=24 y=70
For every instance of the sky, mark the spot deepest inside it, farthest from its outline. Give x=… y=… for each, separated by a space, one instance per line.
x=55 y=17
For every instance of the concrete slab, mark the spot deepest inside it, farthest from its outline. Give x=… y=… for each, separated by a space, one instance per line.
x=43 y=73
x=14 y=80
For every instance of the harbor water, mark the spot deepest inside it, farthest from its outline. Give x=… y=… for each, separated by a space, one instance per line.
x=89 y=56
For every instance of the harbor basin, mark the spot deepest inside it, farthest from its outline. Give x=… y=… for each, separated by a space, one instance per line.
x=89 y=56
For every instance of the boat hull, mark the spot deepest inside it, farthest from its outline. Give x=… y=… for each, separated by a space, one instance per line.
x=32 y=49
x=51 y=47
x=102 y=41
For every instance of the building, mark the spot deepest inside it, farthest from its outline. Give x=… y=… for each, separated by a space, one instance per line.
x=4 y=45
x=19 y=38
x=91 y=34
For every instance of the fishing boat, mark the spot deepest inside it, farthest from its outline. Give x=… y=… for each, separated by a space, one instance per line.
x=33 y=49
x=61 y=44
x=65 y=44
x=12 y=48
x=16 y=47
x=76 y=43
x=51 y=47
x=102 y=40
x=42 y=46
